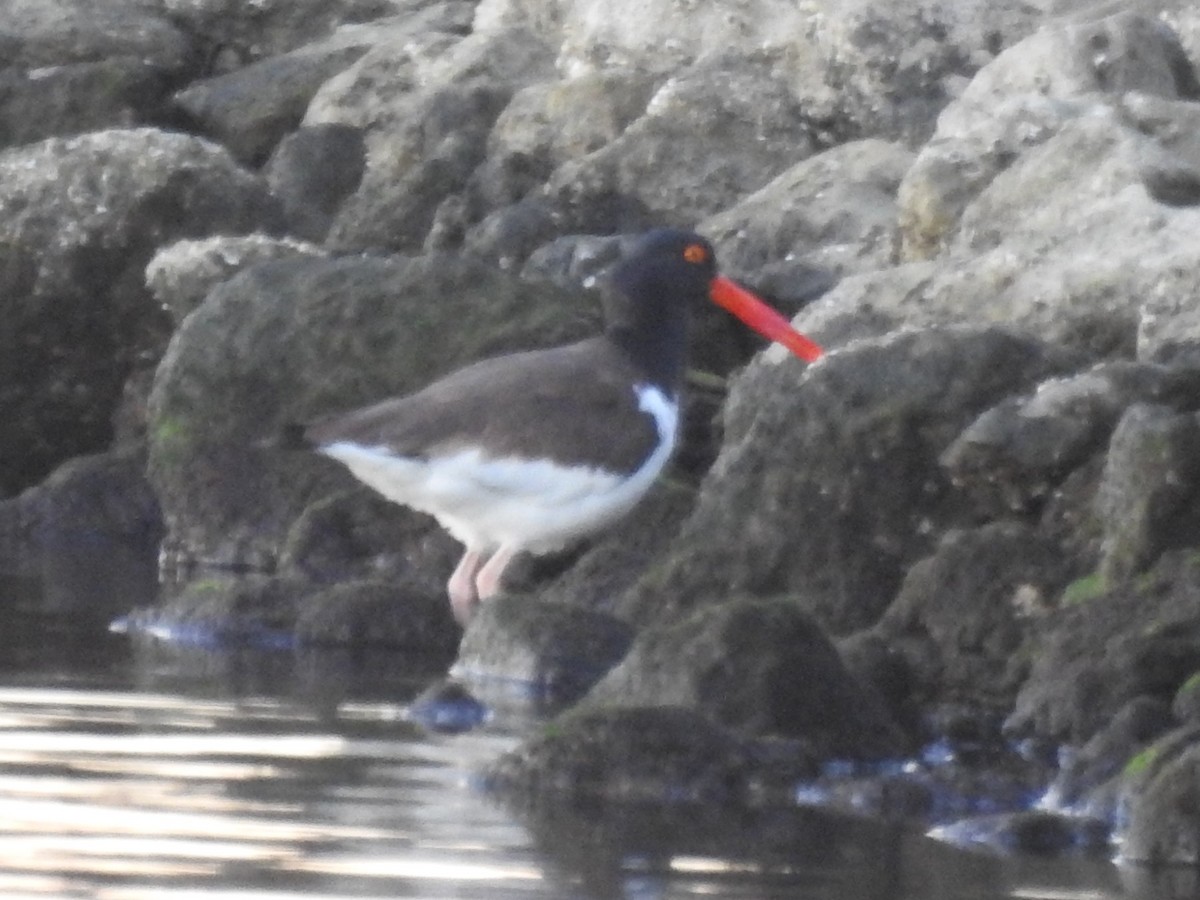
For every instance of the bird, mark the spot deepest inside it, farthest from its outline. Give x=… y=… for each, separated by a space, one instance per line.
x=535 y=450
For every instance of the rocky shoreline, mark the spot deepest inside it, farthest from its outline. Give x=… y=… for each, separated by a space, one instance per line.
x=973 y=526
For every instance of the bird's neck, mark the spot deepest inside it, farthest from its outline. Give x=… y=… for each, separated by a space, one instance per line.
x=657 y=348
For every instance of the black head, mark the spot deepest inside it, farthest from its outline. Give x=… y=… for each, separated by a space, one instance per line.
x=667 y=265
x=667 y=272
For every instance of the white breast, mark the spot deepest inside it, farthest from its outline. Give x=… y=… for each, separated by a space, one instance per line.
x=527 y=503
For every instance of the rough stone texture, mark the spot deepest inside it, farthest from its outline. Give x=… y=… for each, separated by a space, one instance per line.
x=761 y=667
x=181 y=274
x=241 y=365
x=1017 y=453
x=1162 y=827
x=1147 y=497
x=1019 y=101
x=89 y=533
x=556 y=652
x=79 y=219
x=1088 y=662
x=312 y=171
x=963 y=616
x=250 y=109
x=426 y=143
x=1106 y=755
x=373 y=613
x=830 y=473
x=835 y=210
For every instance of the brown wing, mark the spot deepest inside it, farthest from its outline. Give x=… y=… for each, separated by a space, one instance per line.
x=545 y=404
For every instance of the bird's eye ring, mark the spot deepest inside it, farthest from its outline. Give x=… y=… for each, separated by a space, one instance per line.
x=695 y=253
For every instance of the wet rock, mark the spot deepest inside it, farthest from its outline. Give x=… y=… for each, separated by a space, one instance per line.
x=1035 y=833
x=1081 y=783
x=241 y=366
x=181 y=274
x=1161 y=802
x=311 y=172
x=659 y=754
x=448 y=707
x=831 y=473
x=758 y=666
x=357 y=534
x=89 y=533
x=551 y=651
x=1146 y=496
x=79 y=219
x=1107 y=645
x=401 y=613
x=834 y=211
x=963 y=615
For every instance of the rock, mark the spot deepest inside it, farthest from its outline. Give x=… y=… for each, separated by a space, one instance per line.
x=357 y=534
x=448 y=707
x=1146 y=496
x=1186 y=704
x=311 y=172
x=250 y=109
x=1014 y=455
x=963 y=616
x=398 y=613
x=1079 y=783
x=1104 y=647
x=831 y=474
x=241 y=34
x=1019 y=101
x=1036 y=252
x=79 y=219
x=38 y=34
x=432 y=139
x=665 y=162
x=1162 y=827
x=89 y=534
x=551 y=651
x=181 y=274
x=760 y=667
x=658 y=754
x=288 y=340
x=77 y=97
x=857 y=67
x=1169 y=161
x=835 y=211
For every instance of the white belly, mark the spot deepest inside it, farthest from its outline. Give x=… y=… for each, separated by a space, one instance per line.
x=527 y=504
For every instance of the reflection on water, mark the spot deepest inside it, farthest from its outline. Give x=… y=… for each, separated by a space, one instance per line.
x=145 y=773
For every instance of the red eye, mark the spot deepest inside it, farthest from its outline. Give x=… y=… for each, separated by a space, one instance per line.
x=695 y=253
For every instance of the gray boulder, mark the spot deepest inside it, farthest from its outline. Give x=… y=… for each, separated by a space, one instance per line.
x=831 y=473
x=79 y=219
x=760 y=667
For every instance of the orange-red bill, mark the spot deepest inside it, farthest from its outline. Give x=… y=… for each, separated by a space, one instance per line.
x=766 y=321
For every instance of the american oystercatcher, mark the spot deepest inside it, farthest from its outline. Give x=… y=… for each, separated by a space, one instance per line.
x=531 y=451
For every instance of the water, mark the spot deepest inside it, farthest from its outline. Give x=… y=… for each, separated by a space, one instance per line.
x=143 y=772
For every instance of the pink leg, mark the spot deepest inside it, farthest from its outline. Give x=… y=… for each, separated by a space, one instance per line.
x=487 y=582
x=461 y=586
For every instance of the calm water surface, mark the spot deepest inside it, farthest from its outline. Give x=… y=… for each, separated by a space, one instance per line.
x=143 y=772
